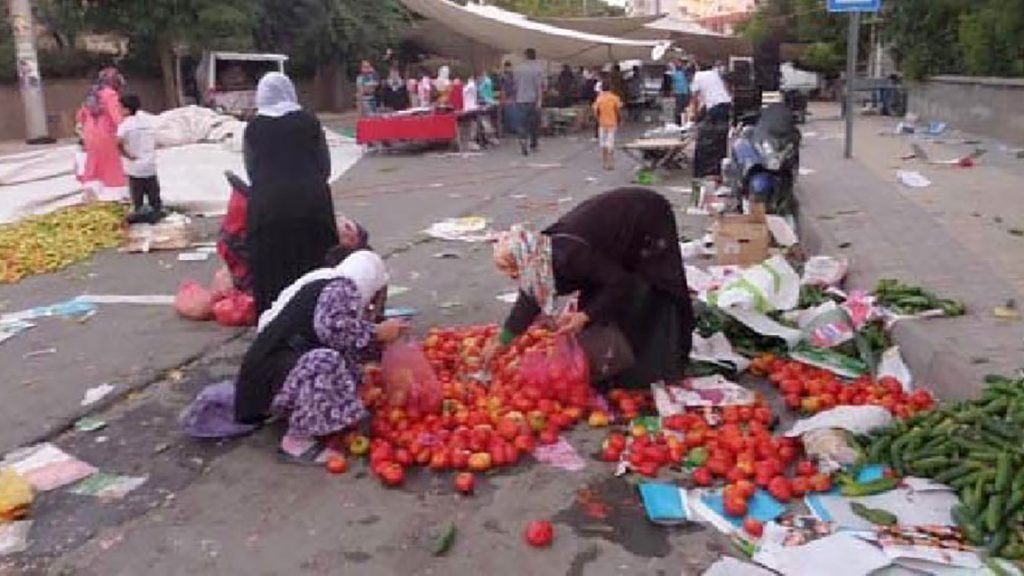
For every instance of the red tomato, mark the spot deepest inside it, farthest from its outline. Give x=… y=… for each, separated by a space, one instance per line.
x=820 y=482
x=539 y=533
x=800 y=486
x=806 y=468
x=780 y=489
x=735 y=506
x=392 y=475
x=465 y=482
x=753 y=526
x=746 y=489
x=337 y=464
x=702 y=477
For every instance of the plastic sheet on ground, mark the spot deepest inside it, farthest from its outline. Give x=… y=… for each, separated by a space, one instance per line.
x=840 y=554
x=665 y=504
x=14 y=537
x=717 y=349
x=714 y=390
x=912 y=179
x=562 y=455
x=140 y=299
x=856 y=419
x=46 y=466
x=729 y=566
x=765 y=326
x=893 y=366
x=931 y=505
x=771 y=285
x=191 y=172
x=108 y=486
x=940 y=544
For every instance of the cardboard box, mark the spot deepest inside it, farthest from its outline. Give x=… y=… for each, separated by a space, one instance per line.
x=741 y=240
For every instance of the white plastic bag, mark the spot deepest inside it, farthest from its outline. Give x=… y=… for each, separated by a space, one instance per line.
x=771 y=285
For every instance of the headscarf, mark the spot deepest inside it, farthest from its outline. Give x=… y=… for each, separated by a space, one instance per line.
x=531 y=253
x=443 y=81
x=364 y=268
x=275 y=96
x=109 y=77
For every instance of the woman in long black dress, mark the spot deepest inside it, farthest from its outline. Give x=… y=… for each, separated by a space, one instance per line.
x=620 y=251
x=290 y=221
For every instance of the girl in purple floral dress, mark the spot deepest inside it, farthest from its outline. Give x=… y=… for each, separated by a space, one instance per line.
x=320 y=395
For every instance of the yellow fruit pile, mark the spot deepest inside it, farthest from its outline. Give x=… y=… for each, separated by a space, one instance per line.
x=54 y=241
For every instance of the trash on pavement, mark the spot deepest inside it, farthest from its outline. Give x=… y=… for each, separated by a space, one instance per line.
x=212 y=413
x=10 y=329
x=710 y=505
x=707 y=391
x=782 y=231
x=71 y=309
x=15 y=496
x=14 y=537
x=465 y=229
x=396 y=290
x=194 y=301
x=717 y=350
x=832 y=448
x=97 y=393
x=892 y=365
x=46 y=467
x=770 y=285
x=839 y=554
x=108 y=486
x=729 y=566
x=939 y=544
x=930 y=506
x=561 y=454
x=665 y=504
x=172 y=233
x=838 y=364
x=508 y=297
x=912 y=179
x=400 y=312
x=448 y=255
x=444 y=540
x=38 y=353
x=855 y=419
x=90 y=424
x=824 y=271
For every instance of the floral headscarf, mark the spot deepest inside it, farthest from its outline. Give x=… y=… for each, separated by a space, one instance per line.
x=532 y=254
x=108 y=78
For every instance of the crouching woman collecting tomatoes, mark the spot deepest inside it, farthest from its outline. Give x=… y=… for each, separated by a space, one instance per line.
x=620 y=252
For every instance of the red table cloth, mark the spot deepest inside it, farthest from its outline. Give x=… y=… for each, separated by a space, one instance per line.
x=426 y=127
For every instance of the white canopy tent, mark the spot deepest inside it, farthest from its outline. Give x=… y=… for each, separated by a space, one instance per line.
x=511 y=32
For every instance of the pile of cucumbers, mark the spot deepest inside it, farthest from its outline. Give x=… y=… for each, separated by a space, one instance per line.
x=909 y=300
x=977 y=447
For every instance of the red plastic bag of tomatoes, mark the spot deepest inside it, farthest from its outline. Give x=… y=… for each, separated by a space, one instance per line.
x=409 y=379
x=236 y=309
x=560 y=373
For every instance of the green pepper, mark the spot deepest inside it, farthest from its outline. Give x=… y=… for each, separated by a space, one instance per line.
x=854 y=490
x=696 y=457
x=444 y=542
x=874 y=515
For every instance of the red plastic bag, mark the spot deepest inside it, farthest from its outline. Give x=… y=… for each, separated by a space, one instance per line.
x=409 y=380
x=222 y=285
x=193 y=301
x=235 y=310
x=560 y=372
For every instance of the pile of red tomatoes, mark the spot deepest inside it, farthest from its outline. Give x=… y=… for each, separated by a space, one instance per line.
x=538 y=387
x=812 y=390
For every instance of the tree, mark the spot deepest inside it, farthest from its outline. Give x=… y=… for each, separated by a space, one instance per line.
x=166 y=26
x=328 y=35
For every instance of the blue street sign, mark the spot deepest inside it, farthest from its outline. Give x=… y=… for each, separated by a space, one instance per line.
x=854 y=5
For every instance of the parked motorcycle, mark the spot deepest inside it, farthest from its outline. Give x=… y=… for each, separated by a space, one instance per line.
x=764 y=159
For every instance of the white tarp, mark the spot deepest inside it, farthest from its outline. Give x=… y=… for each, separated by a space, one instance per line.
x=512 y=32
x=197 y=146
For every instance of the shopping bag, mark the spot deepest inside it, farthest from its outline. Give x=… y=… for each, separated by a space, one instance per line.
x=409 y=380
x=235 y=310
x=559 y=373
x=193 y=301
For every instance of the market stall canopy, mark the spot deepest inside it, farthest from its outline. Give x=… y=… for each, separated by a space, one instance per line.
x=512 y=32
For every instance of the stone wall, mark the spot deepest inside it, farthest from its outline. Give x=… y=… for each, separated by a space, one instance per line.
x=992 y=107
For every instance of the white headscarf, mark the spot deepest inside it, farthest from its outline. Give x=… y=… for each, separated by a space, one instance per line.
x=365 y=268
x=443 y=81
x=275 y=96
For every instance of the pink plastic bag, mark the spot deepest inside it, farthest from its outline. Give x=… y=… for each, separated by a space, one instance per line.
x=409 y=380
x=235 y=310
x=193 y=301
x=560 y=374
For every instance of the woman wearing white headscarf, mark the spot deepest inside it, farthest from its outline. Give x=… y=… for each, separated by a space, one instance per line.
x=290 y=221
x=305 y=362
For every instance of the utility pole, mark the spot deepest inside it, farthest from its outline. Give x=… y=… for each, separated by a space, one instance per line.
x=29 y=78
x=851 y=76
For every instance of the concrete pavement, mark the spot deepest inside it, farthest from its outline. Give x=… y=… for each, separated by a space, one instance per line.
x=955 y=238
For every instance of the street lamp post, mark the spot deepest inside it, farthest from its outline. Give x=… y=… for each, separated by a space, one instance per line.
x=29 y=78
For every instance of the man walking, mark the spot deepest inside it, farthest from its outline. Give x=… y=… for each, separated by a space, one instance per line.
x=530 y=84
x=680 y=89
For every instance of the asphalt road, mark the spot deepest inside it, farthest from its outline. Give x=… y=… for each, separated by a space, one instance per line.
x=231 y=507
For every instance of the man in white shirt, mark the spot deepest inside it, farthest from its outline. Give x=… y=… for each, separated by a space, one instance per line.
x=137 y=142
x=710 y=94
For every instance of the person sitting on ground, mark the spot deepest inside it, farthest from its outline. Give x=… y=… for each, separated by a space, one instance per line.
x=305 y=363
x=620 y=251
x=137 y=141
x=608 y=110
